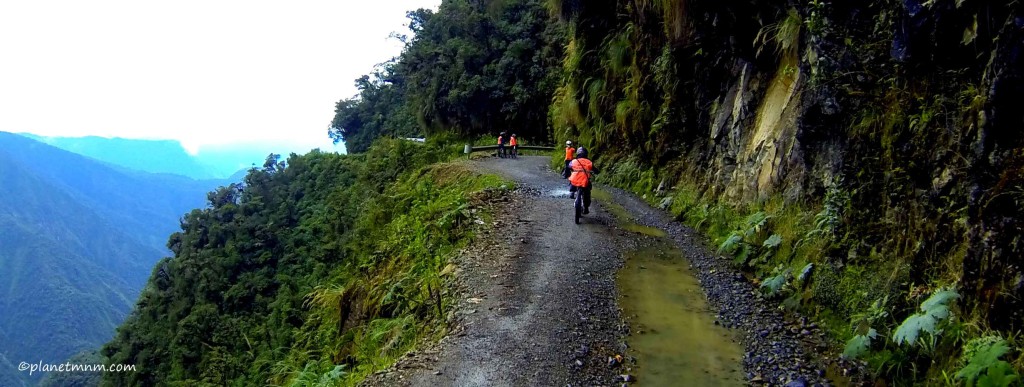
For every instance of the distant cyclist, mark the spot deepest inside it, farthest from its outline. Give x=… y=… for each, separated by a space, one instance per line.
x=513 y=146
x=580 y=178
x=501 y=145
x=569 y=152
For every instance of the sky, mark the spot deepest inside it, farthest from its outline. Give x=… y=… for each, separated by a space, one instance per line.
x=209 y=72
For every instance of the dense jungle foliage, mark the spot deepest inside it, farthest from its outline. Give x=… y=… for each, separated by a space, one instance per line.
x=317 y=269
x=322 y=267
x=472 y=68
x=863 y=160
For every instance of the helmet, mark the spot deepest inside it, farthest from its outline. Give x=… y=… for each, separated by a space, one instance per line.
x=568 y=143
x=581 y=152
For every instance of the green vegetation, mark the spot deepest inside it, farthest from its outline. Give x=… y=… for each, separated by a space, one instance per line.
x=320 y=269
x=471 y=68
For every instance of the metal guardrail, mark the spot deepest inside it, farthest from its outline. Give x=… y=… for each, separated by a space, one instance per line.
x=471 y=148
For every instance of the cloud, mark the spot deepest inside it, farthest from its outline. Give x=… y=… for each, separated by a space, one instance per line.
x=202 y=72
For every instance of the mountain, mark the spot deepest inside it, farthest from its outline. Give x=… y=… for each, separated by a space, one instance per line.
x=156 y=156
x=170 y=157
x=147 y=205
x=78 y=241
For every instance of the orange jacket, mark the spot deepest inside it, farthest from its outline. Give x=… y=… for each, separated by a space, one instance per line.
x=581 y=170
x=569 y=153
x=512 y=141
x=499 y=140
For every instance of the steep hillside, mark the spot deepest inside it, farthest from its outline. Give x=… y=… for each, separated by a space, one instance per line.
x=79 y=240
x=67 y=275
x=322 y=267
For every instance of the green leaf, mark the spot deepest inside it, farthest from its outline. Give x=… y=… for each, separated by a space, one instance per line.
x=859 y=344
x=743 y=255
x=985 y=358
x=773 y=241
x=933 y=311
x=730 y=244
x=937 y=303
x=999 y=375
x=755 y=222
x=772 y=285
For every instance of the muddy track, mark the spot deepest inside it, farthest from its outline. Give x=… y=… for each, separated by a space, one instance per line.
x=538 y=302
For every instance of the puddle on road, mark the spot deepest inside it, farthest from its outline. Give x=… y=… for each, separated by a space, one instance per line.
x=604 y=199
x=646 y=230
x=679 y=343
x=559 y=193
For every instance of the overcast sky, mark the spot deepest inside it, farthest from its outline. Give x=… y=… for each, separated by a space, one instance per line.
x=203 y=72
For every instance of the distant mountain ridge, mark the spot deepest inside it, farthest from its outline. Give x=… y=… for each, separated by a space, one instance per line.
x=78 y=239
x=169 y=156
x=156 y=156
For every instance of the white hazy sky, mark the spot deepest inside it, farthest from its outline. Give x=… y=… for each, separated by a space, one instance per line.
x=202 y=72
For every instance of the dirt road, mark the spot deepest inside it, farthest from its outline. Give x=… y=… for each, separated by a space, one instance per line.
x=540 y=298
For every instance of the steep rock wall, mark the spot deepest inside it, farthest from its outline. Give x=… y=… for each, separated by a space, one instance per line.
x=908 y=111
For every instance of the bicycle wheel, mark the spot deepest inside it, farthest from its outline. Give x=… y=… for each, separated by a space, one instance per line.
x=579 y=206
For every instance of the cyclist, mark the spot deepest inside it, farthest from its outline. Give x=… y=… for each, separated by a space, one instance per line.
x=569 y=152
x=580 y=179
x=501 y=145
x=513 y=146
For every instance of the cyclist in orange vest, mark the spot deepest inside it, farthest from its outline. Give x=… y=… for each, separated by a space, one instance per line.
x=580 y=179
x=569 y=153
x=514 y=152
x=501 y=145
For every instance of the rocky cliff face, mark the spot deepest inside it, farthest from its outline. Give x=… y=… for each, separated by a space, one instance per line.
x=910 y=112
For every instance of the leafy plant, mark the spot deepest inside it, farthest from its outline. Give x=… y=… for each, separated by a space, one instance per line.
x=743 y=243
x=864 y=335
x=984 y=367
x=859 y=344
x=772 y=286
x=934 y=311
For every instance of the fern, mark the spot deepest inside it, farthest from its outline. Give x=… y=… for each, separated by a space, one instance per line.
x=933 y=311
x=333 y=377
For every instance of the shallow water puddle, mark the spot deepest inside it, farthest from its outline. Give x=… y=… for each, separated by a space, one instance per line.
x=625 y=220
x=674 y=338
x=646 y=230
